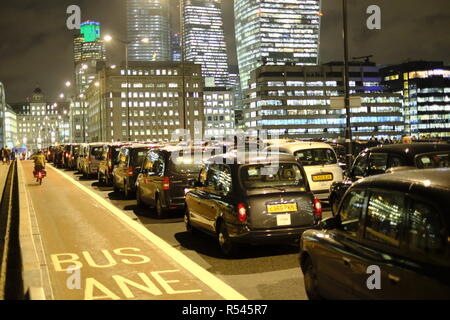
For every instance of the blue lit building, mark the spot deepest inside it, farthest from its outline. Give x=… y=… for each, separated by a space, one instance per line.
x=276 y=32
x=204 y=39
x=148 y=19
x=294 y=102
x=425 y=88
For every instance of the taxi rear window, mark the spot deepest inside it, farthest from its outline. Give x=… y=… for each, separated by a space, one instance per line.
x=268 y=176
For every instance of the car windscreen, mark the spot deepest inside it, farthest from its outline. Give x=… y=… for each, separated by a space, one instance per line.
x=138 y=156
x=433 y=160
x=185 y=163
x=271 y=176
x=316 y=156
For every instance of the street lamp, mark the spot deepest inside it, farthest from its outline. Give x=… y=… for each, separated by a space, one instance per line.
x=108 y=38
x=348 y=129
x=81 y=96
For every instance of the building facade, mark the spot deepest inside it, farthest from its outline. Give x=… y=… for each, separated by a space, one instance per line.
x=41 y=124
x=294 y=102
x=219 y=111
x=153 y=102
x=11 y=139
x=204 y=39
x=276 y=32
x=425 y=88
x=148 y=19
x=2 y=114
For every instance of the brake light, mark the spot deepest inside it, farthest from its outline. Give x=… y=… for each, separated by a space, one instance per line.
x=242 y=212
x=130 y=171
x=317 y=207
x=166 y=183
x=40 y=174
x=67 y=155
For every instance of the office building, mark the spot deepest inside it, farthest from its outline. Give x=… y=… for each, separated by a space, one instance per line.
x=11 y=128
x=425 y=88
x=294 y=102
x=148 y=19
x=153 y=102
x=219 y=111
x=2 y=114
x=204 y=39
x=89 y=49
x=40 y=124
x=276 y=32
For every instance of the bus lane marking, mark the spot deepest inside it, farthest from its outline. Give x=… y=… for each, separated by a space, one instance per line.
x=213 y=282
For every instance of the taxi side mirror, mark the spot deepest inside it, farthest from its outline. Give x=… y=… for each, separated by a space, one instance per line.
x=329 y=223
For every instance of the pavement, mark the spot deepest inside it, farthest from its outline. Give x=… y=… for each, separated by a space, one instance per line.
x=89 y=249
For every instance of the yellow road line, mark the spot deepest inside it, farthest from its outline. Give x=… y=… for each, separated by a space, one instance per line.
x=203 y=275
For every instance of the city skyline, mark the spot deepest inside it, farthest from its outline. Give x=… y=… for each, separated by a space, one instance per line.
x=49 y=41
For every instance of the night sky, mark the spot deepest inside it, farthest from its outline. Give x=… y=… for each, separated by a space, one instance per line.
x=36 y=47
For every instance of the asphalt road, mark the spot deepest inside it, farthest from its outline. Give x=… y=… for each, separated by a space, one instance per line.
x=260 y=272
x=112 y=259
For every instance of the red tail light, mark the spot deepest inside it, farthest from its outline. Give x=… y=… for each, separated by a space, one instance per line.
x=130 y=171
x=90 y=160
x=39 y=174
x=166 y=183
x=73 y=157
x=67 y=155
x=242 y=212
x=317 y=207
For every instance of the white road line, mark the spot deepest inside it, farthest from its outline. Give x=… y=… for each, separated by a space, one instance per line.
x=203 y=275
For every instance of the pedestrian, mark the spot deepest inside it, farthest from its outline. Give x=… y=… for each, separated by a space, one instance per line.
x=2 y=155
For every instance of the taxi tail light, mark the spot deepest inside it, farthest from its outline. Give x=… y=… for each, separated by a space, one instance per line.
x=166 y=183
x=317 y=208
x=242 y=212
x=130 y=171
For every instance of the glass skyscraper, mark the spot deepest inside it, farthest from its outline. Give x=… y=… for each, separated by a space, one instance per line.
x=204 y=39
x=276 y=32
x=148 y=19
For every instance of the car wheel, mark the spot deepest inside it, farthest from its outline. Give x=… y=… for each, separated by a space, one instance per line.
x=160 y=213
x=311 y=284
x=115 y=188
x=138 y=198
x=187 y=222
x=227 y=246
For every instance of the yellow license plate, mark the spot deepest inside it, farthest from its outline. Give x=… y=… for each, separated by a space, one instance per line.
x=322 y=177
x=285 y=207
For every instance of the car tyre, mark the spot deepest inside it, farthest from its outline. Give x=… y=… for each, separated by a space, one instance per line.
x=187 y=222
x=310 y=278
x=115 y=188
x=227 y=246
x=159 y=210
x=138 y=198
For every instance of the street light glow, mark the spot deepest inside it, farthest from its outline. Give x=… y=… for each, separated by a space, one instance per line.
x=68 y=84
x=107 y=38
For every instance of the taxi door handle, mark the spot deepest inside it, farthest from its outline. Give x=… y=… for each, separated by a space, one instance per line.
x=393 y=278
x=346 y=261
